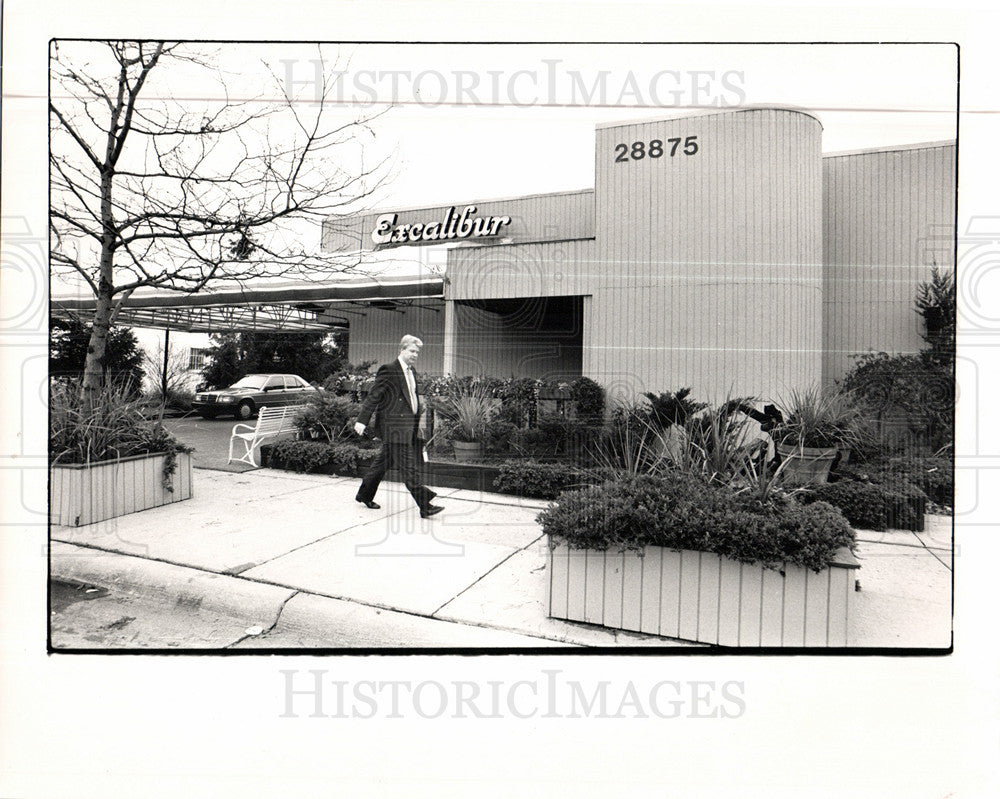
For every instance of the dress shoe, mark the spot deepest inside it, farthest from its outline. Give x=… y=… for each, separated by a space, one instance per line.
x=369 y=504
x=430 y=510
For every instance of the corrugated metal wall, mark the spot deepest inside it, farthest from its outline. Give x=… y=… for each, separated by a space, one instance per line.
x=705 y=269
x=888 y=217
x=375 y=334
x=716 y=256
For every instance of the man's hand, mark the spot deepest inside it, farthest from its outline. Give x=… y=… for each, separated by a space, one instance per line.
x=359 y=428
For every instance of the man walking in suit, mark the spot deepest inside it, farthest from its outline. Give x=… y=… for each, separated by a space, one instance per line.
x=394 y=397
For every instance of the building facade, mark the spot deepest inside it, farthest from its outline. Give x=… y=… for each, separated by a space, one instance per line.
x=721 y=251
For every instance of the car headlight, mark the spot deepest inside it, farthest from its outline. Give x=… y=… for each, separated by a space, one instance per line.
x=225 y=399
x=199 y=397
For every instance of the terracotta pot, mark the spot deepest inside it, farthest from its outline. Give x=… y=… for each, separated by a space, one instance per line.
x=466 y=451
x=806 y=465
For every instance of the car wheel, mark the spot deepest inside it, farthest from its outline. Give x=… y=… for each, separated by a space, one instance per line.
x=244 y=410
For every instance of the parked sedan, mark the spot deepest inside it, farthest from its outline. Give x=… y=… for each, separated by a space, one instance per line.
x=248 y=394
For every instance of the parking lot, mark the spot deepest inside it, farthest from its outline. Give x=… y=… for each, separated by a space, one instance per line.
x=210 y=439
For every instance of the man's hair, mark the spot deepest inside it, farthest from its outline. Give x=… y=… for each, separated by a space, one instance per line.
x=407 y=340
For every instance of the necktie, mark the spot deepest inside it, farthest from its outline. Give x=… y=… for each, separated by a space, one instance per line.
x=411 y=384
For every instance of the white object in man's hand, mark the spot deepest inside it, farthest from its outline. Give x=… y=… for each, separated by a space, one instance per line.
x=359 y=428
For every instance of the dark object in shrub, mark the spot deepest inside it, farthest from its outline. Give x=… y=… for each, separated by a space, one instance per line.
x=875 y=506
x=589 y=398
x=934 y=475
x=316 y=457
x=679 y=511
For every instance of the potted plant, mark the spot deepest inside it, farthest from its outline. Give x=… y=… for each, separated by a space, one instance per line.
x=462 y=418
x=107 y=459
x=818 y=424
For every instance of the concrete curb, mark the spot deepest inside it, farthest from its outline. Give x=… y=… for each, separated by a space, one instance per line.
x=258 y=603
x=307 y=618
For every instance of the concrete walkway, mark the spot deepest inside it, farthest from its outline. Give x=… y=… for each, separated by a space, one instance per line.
x=295 y=556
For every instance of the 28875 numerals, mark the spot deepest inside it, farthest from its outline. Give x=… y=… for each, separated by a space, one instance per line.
x=655 y=149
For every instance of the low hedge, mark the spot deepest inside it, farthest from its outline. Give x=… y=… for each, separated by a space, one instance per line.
x=875 y=506
x=317 y=457
x=682 y=512
x=542 y=480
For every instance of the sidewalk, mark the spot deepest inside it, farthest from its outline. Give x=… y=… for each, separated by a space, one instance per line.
x=296 y=556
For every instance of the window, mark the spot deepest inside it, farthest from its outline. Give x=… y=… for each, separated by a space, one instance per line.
x=198 y=358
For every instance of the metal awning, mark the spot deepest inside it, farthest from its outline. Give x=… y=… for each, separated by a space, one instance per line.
x=275 y=307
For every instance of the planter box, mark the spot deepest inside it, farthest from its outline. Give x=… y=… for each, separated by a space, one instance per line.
x=470 y=476
x=82 y=494
x=700 y=596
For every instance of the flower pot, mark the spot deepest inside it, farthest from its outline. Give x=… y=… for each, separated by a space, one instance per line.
x=806 y=465
x=466 y=451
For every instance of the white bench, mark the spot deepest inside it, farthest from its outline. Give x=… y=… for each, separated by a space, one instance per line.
x=270 y=422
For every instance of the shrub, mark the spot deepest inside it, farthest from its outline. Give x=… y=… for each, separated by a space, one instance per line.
x=464 y=415
x=531 y=478
x=354 y=380
x=327 y=418
x=519 y=398
x=318 y=457
x=589 y=398
x=498 y=434
x=178 y=399
x=934 y=475
x=631 y=443
x=874 y=506
x=669 y=408
x=679 y=511
x=920 y=387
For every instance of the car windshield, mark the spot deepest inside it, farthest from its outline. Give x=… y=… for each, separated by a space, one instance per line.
x=250 y=381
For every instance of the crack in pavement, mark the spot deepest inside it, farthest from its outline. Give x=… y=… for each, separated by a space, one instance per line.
x=274 y=624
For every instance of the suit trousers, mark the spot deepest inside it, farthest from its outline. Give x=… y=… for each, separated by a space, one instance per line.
x=401 y=455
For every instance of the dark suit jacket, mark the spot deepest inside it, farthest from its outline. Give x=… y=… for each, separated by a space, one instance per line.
x=390 y=401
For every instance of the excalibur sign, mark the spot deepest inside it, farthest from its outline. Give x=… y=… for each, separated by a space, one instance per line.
x=453 y=226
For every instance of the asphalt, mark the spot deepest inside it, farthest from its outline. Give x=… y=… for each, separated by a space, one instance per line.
x=300 y=564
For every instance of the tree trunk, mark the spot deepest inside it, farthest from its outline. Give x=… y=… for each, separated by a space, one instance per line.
x=93 y=370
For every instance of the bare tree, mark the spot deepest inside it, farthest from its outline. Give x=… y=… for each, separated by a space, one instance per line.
x=182 y=192
x=166 y=370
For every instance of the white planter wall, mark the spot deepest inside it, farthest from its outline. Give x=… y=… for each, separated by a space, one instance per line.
x=86 y=494
x=699 y=596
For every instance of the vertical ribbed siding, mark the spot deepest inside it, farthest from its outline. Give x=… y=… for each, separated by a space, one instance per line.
x=82 y=495
x=375 y=333
x=888 y=217
x=714 y=259
x=705 y=270
x=702 y=596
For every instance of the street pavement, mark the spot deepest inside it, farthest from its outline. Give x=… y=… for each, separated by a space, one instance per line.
x=272 y=559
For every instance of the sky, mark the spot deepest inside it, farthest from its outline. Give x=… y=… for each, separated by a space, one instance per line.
x=460 y=123
x=483 y=121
